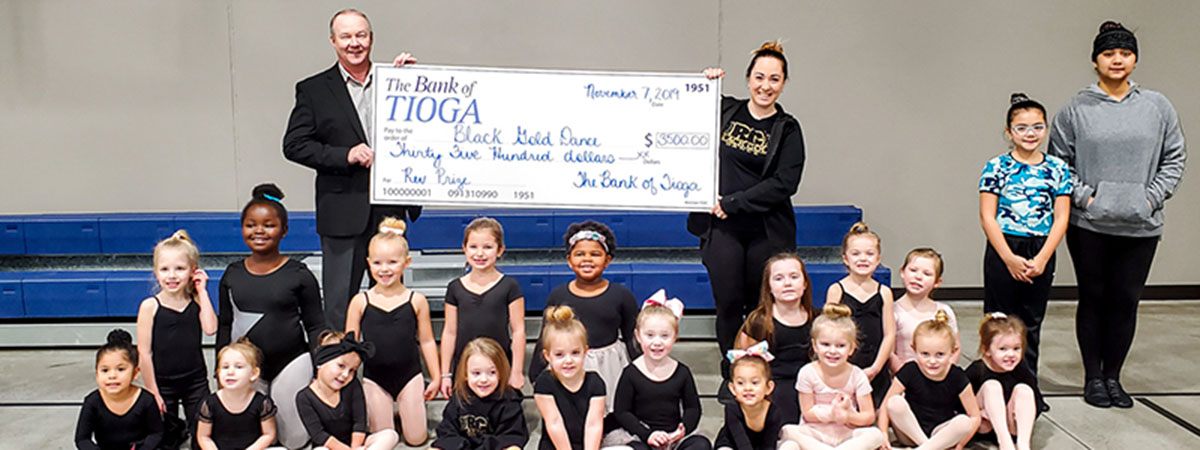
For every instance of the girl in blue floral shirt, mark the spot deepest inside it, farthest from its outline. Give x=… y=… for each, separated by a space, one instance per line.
x=1024 y=202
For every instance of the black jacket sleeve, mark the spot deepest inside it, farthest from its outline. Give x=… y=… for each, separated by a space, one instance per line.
x=629 y=313
x=509 y=429
x=301 y=143
x=448 y=436
x=778 y=187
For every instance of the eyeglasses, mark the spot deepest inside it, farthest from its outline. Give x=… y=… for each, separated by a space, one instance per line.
x=1023 y=129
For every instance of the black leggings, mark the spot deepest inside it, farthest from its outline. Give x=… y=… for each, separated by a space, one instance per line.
x=188 y=392
x=1111 y=272
x=734 y=259
x=1001 y=293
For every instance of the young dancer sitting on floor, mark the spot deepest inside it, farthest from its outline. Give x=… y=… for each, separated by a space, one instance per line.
x=930 y=403
x=837 y=410
x=753 y=423
x=485 y=412
x=237 y=416
x=333 y=407
x=570 y=399
x=657 y=404
x=922 y=273
x=1004 y=382
x=118 y=415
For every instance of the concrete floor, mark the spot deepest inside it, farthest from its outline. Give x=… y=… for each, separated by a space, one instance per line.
x=40 y=390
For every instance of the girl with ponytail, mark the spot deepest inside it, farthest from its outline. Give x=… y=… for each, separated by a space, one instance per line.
x=169 y=327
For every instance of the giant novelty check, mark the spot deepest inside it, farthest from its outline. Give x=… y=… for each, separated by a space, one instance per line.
x=489 y=137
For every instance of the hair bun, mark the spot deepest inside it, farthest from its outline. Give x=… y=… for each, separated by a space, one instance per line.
x=941 y=316
x=836 y=310
x=859 y=227
x=559 y=314
x=1018 y=97
x=1109 y=25
x=119 y=337
x=266 y=191
x=770 y=46
x=393 y=225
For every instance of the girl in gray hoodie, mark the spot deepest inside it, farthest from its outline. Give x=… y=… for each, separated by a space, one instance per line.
x=1125 y=150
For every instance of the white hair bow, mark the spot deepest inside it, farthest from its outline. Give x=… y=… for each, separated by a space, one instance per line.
x=660 y=298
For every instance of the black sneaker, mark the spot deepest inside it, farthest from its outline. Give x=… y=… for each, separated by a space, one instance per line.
x=1095 y=393
x=1118 y=395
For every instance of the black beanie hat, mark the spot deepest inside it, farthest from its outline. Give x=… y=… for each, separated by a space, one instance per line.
x=1112 y=36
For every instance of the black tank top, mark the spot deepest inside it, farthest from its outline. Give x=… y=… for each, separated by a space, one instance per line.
x=394 y=334
x=868 y=316
x=175 y=343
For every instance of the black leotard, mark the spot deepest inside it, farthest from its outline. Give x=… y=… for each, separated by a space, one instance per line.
x=643 y=406
x=176 y=343
x=868 y=316
x=397 y=351
x=141 y=427
x=236 y=430
x=978 y=372
x=289 y=302
x=738 y=436
x=340 y=422
x=482 y=315
x=792 y=351
x=572 y=406
x=933 y=402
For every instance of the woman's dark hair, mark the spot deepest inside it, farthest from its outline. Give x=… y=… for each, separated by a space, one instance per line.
x=610 y=240
x=270 y=195
x=119 y=341
x=1018 y=102
x=771 y=49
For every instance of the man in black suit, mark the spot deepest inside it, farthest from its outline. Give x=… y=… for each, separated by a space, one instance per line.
x=329 y=131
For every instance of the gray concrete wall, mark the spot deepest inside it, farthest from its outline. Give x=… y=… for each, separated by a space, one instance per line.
x=176 y=106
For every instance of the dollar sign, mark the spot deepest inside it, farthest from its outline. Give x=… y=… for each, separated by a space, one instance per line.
x=649 y=141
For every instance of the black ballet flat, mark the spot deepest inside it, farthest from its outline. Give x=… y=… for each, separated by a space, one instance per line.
x=1119 y=397
x=1095 y=393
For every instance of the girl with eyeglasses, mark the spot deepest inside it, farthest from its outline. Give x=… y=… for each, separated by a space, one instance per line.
x=1024 y=201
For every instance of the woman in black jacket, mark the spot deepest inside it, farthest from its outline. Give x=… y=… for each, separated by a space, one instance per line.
x=762 y=157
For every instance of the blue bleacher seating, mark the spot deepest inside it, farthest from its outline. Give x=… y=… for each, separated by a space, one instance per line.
x=11 y=303
x=62 y=234
x=12 y=235
x=64 y=294
x=133 y=233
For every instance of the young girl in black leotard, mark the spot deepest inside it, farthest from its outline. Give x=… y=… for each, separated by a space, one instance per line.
x=395 y=319
x=237 y=416
x=569 y=399
x=1004 y=382
x=332 y=406
x=752 y=422
x=607 y=310
x=657 y=404
x=783 y=319
x=118 y=415
x=871 y=306
x=476 y=303
x=275 y=302
x=169 y=326
x=485 y=413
